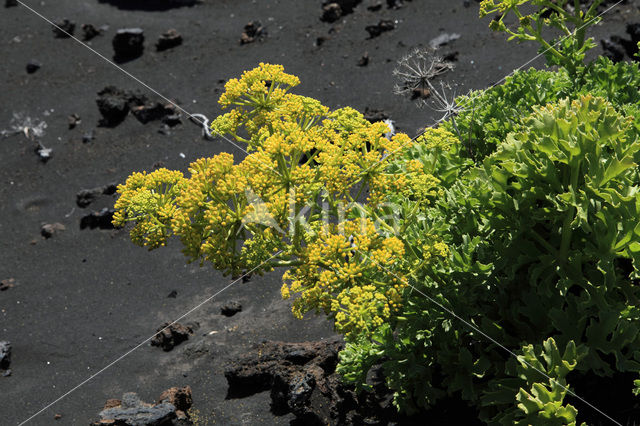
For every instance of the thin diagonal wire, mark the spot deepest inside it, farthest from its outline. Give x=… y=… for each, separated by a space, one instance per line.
x=208 y=299
x=196 y=117
x=494 y=341
x=496 y=83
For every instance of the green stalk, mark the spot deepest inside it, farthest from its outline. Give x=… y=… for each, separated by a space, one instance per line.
x=568 y=218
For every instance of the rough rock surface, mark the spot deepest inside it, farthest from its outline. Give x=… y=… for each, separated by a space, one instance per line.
x=383 y=26
x=98 y=219
x=298 y=375
x=84 y=197
x=5 y=358
x=64 y=28
x=618 y=48
x=150 y=5
x=89 y=32
x=170 y=336
x=302 y=380
x=7 y=284
x=113 y=104
x=170 y=410
x=48 y=230
x=128 y=44
x=171 y=38
x=229 y=309
x=334 y=10
x=154 y=111
x=253 y=31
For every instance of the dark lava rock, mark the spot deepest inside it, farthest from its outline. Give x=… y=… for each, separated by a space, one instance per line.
x=173 y=294
x=302 y=380
x=33 y=66
x=171 y=38
x=373 y=115
x=132 y=411
x=7 y=284
x=613 y=49
x=48 y=230
x=253 y=31
x=100 y=219
x=364 y=60
x=331 y=12
x=170 y=336
x=149 y=5
x=85 y=197
x=73 y=120
x=375 y=7
x=381 y=27
x=172 y=120
x=451 y=56
x=10 y=3
x=89 y=32
x=128 y=44
x=5 y=355
x=296 y=373
x=634 y=31
x=178 y=397
x=153 y=112
x=113 y=105
x=64 y=28
x=616 y=47
x=230 y=309
x=395 y=4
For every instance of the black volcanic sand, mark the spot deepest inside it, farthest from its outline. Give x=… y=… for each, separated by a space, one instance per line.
x=84 y=297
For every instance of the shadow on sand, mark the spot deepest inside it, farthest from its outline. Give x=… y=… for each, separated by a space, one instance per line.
x=149 y=5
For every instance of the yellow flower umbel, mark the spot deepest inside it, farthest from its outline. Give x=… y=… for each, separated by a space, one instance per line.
x=356 y=277
x=306 y=166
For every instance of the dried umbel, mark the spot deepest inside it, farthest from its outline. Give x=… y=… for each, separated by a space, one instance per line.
x=416 y=71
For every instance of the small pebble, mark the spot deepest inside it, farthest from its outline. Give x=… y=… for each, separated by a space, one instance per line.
x=33 y=66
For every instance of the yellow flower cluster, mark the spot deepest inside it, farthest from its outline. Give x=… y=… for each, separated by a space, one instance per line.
x=356 y=276
x=301 y=155
x=257 y=83
x=147 y=199
x=438 y=139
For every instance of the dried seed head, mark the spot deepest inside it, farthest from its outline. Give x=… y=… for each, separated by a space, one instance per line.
x=416 y=70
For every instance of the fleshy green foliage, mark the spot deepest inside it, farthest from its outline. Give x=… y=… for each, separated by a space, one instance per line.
x=539 y=397
x=568 y=51
x=489 y=115
x=543 y=239
x=521 y=220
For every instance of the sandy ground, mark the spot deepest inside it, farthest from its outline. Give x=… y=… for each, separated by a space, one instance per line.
x=84 y=298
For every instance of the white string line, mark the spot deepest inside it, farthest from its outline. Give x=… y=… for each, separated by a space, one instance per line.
x=146 y=340
x=422 y=132
x=197 y=117
x=473 y=327
x=557 y=42
x=202 y=119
